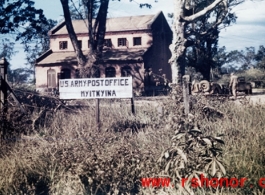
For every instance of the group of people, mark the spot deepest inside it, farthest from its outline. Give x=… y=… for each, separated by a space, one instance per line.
x=154 y=82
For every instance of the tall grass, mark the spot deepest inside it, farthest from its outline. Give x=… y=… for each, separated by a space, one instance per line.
x=70 y=156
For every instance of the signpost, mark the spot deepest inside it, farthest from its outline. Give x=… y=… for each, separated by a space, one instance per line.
x=97 y=88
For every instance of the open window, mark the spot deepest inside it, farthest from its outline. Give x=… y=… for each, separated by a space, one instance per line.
x=65 y=73
x=126 y=71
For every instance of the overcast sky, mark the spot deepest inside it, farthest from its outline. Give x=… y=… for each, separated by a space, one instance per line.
x=248 y=31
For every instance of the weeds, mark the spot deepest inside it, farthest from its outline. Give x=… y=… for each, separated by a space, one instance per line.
x=67 y=155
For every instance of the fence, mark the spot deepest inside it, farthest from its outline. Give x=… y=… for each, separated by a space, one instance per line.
x=3 y=86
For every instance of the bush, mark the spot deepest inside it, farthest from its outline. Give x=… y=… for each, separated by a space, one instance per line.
x=70 y=156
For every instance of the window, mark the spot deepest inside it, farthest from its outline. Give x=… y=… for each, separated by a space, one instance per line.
x=65 y=73
x=62 y=45
x=88 y=44
x=80 y=43
x=107 y=43
x=110 y=72
x=77 y=73
x=95 y=72
x=122 y=42
x=126 y=71
x=51 y=78
x=137 y=41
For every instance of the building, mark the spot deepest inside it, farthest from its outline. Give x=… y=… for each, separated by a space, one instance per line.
x=132 y=45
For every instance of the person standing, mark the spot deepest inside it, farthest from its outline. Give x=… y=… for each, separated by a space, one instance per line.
x=233 y=84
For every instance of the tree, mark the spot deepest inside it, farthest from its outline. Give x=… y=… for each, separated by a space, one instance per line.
x=260 y=57
x=78 y=9
x=17 y=14
x=36 y=41
x=96 y=34
x=203 y=35
x=29 y=26
x=245 y=59
x=7 y=49
x=184 y=16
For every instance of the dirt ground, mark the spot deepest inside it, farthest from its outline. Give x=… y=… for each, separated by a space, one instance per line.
x=258 y=96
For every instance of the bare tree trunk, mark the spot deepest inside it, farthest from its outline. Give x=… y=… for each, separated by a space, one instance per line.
x=81 y=59
x=96 y=34
x=102 y=18
x=179 y=43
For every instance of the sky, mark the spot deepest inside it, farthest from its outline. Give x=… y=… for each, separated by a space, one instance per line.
x=249 y=29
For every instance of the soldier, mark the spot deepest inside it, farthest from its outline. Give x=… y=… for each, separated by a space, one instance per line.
x=233 y=84
x=146 y=82
x=152 y=81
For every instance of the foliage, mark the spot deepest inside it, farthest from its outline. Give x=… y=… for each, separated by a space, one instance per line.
x=16 y=14
x=197 y=25
x=68 y=155
x=247 y=59
x=192 y=155
x=79 y=10
x=260 y=57
x=36 y=41
x=29 y=26
x=19 y=76
x=7 y=49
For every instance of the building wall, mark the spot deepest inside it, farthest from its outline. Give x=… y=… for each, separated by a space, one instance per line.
x=158 y=55
x=42 y=75
x=137 y=71
x=146 y=38
x=157 y=39
x=136 y=67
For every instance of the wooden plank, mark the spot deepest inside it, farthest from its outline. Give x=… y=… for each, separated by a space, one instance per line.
x=14 y=97
x=3 y=95
x=186 y=93
x=97 y=114
x=132 y=106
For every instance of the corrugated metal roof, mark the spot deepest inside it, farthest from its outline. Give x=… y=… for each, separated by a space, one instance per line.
x=143 y=22
x=114 y=54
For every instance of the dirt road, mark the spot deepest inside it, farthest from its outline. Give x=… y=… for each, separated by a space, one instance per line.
x=258 y=96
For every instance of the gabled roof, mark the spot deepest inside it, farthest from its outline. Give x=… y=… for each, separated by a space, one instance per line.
x=129 y=23
x=51 y=57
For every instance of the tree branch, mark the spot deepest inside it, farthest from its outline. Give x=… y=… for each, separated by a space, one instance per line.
x=204 y=11
x=81 y=59
x=219 y=20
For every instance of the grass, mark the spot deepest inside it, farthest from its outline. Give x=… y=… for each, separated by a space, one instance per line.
x=68 y=155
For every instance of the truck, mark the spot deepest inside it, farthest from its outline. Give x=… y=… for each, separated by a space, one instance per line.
x=243 y=86
x=209 y=88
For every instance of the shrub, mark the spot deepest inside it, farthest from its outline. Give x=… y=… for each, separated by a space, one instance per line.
x=70 y=156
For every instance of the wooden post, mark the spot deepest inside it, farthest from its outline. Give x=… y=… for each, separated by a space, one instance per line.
x=3 y=87
x=132 y=105
x=186 y=93
x=97 y=114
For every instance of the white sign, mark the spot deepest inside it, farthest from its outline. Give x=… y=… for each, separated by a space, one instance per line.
x=96 y=88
